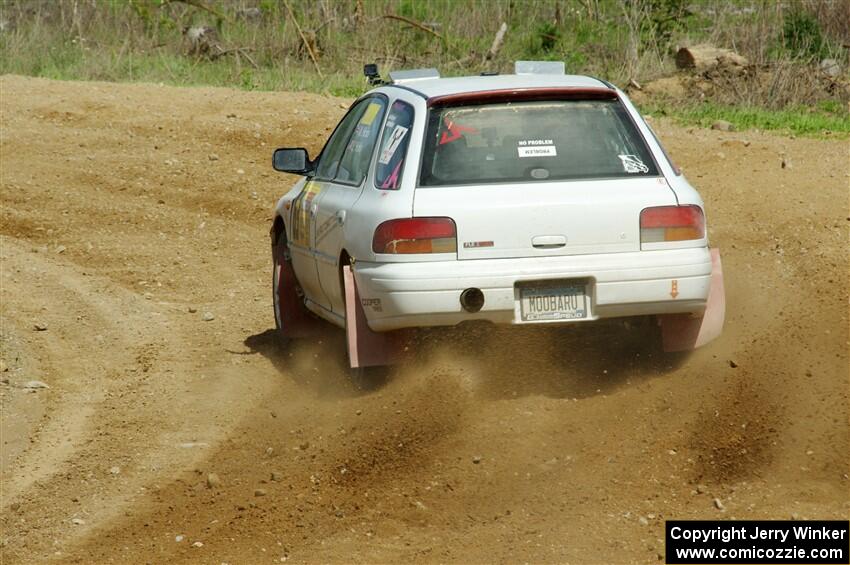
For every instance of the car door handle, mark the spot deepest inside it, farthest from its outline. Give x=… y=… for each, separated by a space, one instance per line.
x=547 y=241
x=313 y=209
x=340 y=217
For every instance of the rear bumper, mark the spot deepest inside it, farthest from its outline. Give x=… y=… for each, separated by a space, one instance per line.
x=404 y=295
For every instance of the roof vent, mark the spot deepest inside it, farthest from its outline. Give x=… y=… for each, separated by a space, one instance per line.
x=414 y=74
x=540 y=68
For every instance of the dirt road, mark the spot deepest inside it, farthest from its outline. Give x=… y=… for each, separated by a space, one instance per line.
x=130 y=213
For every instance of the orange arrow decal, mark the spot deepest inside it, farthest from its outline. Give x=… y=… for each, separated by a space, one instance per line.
x=674 y=288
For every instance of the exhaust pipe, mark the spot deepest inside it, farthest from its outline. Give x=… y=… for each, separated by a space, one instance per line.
x=472 y=300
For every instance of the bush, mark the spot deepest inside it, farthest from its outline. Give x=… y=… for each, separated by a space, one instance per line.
x=544 y=39
x=664 y=18
x=802 y=36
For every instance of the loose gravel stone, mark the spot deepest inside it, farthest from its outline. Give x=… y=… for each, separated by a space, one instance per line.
x=34 y=385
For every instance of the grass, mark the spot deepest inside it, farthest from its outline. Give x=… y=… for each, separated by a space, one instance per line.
x=824 y=120
x=177 y=70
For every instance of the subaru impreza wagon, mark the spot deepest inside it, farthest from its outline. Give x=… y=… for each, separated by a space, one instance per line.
x=532 y=198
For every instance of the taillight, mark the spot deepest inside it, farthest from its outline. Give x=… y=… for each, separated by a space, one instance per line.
x=416 y=235
x=671 y=223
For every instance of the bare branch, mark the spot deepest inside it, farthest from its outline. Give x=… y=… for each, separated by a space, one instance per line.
x=303 y=39
x=237 y=51
x=497 y=42
x=415 y=24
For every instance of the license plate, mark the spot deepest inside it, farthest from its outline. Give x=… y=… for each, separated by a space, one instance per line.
x=552 y=302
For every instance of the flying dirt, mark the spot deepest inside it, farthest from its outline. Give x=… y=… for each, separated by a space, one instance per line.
x=151 y=414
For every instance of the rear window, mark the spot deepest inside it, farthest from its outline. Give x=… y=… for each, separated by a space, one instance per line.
x=532 y=141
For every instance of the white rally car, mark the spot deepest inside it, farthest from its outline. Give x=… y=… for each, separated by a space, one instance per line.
x=533 y=198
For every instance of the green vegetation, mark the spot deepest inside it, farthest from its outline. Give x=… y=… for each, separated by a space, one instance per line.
x=177 y=70
x=320 y=46
x=822 y=120
x=803 y=37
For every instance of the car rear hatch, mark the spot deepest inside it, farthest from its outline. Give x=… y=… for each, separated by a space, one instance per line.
x=538 y=172
x=545 y=219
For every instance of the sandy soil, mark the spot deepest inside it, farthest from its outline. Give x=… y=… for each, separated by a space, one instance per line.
x=130 y=211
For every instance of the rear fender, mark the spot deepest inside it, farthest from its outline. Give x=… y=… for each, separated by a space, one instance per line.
x=367 y=348
x=682 y=332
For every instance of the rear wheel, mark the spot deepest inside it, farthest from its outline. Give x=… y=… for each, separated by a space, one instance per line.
x=281 y=261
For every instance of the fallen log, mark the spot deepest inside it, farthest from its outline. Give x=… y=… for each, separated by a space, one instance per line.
x=707 y=57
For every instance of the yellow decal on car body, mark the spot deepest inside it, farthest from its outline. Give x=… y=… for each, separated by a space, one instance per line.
x=301 y=213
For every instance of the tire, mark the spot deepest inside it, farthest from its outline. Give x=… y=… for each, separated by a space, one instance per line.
x=280 y=254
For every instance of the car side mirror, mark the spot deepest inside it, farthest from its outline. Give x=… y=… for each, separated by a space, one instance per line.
x=292 y=160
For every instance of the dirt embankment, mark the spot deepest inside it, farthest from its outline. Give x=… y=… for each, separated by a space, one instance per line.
x=131 y=211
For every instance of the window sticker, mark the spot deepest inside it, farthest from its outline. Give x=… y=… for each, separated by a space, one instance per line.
x=362 y=130
x=633 y=164
x=392 y=144
x=392 y=180
x=370 y=113
x=536 y=148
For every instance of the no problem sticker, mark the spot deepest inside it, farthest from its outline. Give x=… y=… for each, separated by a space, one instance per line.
x=536 y=148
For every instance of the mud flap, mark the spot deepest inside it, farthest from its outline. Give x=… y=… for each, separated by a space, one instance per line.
x=297 y=321
x=681 y=332
x=365 y=347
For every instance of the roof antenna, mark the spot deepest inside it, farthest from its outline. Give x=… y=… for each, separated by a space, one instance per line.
x=372 y=75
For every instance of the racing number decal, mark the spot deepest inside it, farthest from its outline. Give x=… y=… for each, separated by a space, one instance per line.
x=301 y=218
